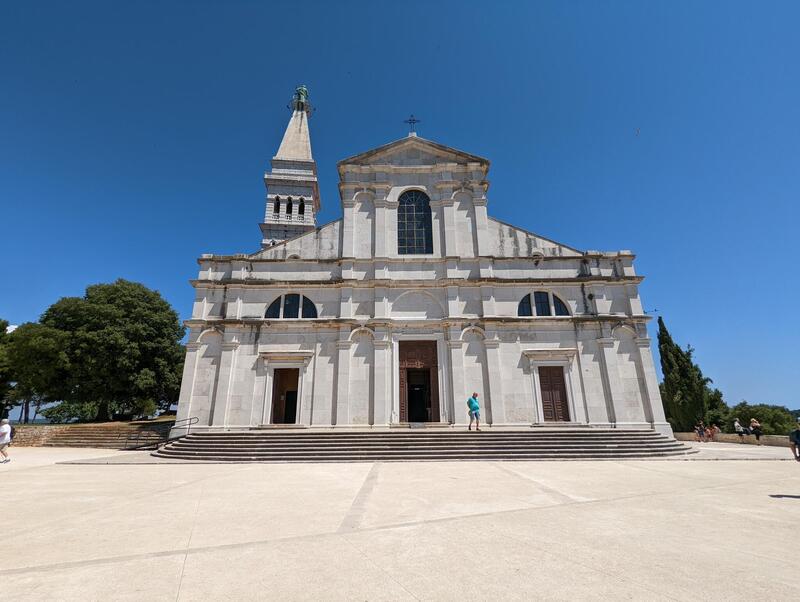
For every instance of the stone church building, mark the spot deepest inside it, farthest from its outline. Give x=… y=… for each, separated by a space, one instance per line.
x=396 y=312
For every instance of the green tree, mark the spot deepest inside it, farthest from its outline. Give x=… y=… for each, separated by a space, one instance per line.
x=6 y=403
x=123 y=352
x=684 y=389
x=38 y=364
x=717 y=411
x=774 y=419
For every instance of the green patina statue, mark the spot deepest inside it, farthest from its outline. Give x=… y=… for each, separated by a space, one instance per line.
x=301 y=93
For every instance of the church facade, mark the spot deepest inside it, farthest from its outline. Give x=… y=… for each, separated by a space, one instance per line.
x=395 y=313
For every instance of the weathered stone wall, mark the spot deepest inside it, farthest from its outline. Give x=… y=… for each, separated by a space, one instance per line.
x=774 y=440
x=30 y=435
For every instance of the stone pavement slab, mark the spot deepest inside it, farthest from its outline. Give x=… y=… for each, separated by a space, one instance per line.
x=641 y=530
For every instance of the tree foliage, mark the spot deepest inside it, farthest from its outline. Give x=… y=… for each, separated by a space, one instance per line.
x=5 y=373
x=774 y=419
x=688 y=398
x=115 y=350
x=38 y=363
x=684 y=390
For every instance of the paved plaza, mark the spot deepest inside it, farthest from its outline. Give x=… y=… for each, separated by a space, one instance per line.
x=705 y=528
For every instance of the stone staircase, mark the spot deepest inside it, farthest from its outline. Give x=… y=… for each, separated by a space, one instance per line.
x=410 y=445
x=111 y=435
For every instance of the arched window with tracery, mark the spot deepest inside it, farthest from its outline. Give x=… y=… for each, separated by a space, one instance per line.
x=289 y=206
x=291 y=306
x=543 y=304
x=277 y=209
x=414 y=227
x=301 y=208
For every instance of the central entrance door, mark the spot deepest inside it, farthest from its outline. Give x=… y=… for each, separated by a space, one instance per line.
x=419 y=382
x=284 y=396
x=554 y=394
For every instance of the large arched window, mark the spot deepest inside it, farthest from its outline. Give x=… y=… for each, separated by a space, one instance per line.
x=277 y=208
x=301 y=208
x=545 y=304
x=291 y=306
x=414 y=228
x=289 y=206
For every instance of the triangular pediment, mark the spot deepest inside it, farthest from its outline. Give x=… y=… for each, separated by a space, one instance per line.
x=413 y=151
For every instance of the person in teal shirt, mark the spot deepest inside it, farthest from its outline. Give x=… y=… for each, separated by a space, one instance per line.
x=474 y=412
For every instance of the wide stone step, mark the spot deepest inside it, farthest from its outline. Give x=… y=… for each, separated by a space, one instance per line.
x=414 y=445
x=418 y=445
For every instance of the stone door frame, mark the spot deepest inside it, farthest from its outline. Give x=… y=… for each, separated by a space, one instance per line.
x=563 y=357
x=274 y=360
x=443 y=365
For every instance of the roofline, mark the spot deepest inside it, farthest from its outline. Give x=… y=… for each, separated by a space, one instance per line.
x=437 y=145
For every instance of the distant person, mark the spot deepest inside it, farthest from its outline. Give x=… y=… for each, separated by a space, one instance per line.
x=794 y=441
x=474 y=412
x=700 y=431
x=5 y=439
x=715 y=430
x=755 y=428
x=739 y=430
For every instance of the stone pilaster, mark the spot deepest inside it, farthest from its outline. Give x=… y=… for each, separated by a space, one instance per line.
x=382 y=381
x=185 y=408
x=459 y=398
x=495 y=407
x=482 y=227
x=613 y=385
x=348 y=233
x=379 y=235
x=225 y=382
x=450 y=248
x=653 y=405
x=343 y=378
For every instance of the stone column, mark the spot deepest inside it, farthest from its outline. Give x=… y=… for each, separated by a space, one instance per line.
x=342 y=416
x=227 y=368
x=611 y=376
x=495 y=404
x=382 y=399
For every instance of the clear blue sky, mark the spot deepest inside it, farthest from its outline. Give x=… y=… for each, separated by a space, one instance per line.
x=134 y=136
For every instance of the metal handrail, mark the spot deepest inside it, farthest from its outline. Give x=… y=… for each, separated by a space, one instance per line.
x=183 y=422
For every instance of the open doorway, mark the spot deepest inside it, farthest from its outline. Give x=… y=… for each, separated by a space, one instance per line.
x=284 y=395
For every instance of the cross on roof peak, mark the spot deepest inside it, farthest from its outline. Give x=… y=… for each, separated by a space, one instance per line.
x=412 y=122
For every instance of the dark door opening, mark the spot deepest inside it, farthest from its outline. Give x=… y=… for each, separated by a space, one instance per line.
x=419 y=395
x=284 y=396
x=554 y=394
x=419 y=385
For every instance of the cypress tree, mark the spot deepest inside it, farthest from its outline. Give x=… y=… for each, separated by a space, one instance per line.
x=684 y=390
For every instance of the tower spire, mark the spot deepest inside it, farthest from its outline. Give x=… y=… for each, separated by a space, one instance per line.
x=292 y=190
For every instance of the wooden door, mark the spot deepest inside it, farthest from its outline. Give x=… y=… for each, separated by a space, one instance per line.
x=554 y=394
x=419 y=355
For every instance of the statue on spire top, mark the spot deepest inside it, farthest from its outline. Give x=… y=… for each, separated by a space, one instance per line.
x=300 y=99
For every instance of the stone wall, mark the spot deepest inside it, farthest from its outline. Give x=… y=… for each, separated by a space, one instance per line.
x=774 y=440
x=30 y=435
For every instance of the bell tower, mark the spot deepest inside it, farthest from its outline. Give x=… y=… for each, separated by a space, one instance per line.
x=292 y=191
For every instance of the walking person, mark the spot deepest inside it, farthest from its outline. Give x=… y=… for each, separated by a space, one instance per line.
x=474 y=412
x=755 y=428
x=739 y=430
x=794 y=441
x=5 y=439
